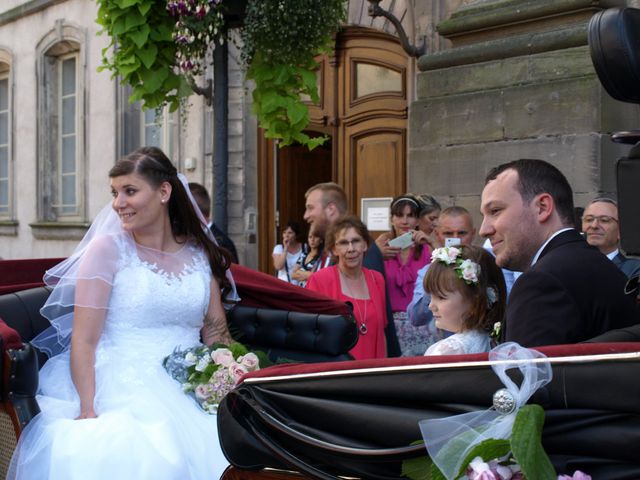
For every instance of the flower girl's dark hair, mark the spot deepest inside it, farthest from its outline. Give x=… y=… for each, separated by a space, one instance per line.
x=152 y=164
x=486 y=308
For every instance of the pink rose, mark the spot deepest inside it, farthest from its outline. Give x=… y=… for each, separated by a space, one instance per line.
x=250 y=360
x=237 y=371
x=203 y=392
x=577 y=475
x=222 y=356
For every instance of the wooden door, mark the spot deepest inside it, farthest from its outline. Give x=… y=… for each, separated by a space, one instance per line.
x=299 y=169
x=363 y=109
x=372 y=79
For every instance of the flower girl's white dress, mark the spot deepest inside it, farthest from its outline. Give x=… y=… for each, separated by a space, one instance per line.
x=146 y=428
x=470 y=341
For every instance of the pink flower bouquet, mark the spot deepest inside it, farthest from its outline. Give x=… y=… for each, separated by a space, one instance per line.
x=209 y=373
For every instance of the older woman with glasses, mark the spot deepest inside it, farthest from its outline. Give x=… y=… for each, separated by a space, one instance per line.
x=348 y=281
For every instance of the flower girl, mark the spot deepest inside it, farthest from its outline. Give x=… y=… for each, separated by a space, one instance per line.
x=467 y=298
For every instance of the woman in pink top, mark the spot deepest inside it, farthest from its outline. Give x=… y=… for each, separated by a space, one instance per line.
x=401 y=267
x=348 y=281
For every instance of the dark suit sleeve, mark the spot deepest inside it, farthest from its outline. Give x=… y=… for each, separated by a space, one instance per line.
x=373 y=261
x=541 y=312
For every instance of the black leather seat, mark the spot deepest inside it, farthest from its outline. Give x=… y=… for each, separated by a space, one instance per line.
x=283 y=335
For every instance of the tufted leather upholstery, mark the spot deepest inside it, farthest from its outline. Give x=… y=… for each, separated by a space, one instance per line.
x=297 y=336
x=282 y=334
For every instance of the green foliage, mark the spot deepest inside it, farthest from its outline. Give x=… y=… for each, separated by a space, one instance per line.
x=526 y=444
x=279 y=42
x=277 y=100
x=290 y=31
x=417 y=468
x=488 y=449
x=142 y=51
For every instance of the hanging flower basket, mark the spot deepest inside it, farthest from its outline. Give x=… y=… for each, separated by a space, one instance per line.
x=161 y=51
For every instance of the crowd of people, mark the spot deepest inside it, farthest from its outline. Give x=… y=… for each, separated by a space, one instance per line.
x=528 y=223
x=150 y=275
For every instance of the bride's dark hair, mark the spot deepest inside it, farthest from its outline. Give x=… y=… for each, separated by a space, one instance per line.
x=156 y=168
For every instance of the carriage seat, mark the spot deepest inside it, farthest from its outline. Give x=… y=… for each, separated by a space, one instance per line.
x=292 y=336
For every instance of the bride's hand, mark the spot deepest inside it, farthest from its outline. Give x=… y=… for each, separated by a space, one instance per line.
x=84 y=414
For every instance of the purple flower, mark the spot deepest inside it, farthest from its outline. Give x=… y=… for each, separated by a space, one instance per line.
x=577 y=475
x=478 y=469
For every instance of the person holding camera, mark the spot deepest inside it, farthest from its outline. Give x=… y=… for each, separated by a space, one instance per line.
x=405 y=250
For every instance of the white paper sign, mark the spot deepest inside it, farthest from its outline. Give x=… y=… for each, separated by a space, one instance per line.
x=377 y=219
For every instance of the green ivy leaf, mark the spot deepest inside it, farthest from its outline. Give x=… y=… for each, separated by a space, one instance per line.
x=128 y=69
x=238 y=349
x=526 y=444
x=297 y=112
x=144 y=7
x=270 y=102
x=119 y=27
x=125 y=4
x=141 y=36
x=133 y=19
x=153 y=79
x=148 y=55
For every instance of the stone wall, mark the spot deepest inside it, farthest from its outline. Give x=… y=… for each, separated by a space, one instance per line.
x=513 y=87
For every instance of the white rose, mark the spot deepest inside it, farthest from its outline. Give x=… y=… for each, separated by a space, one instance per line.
x=250 y=360
x=222 y=356
x=190 y=358
x=202 y=363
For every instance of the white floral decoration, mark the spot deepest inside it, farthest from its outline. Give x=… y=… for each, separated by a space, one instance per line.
x=446 y=255
x=466 y=269
x=469 y=271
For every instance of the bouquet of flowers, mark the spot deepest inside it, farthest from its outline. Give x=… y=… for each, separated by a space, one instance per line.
x=209 y=373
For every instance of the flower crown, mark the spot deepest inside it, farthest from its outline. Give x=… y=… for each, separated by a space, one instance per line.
x=466 y=270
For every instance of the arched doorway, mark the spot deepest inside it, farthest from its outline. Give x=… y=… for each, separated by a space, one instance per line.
x=363 y=109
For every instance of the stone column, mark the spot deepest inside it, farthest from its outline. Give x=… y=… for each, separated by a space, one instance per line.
x=517 y=83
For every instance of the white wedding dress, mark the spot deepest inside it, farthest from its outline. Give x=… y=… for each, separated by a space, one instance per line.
x=470 y=341
x=146 y=428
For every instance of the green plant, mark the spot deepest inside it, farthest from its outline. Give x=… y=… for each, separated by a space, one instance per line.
x=142 y=51
x=159 y=51
x=524 y=447
x=280 y=40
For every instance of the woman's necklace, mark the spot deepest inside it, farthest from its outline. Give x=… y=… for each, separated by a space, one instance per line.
x=363 y=322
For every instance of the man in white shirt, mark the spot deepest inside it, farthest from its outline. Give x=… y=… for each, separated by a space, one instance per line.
x=602 y=230
x=569 y=292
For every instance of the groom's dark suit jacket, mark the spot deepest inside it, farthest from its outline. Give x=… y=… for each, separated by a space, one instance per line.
x=571 y=294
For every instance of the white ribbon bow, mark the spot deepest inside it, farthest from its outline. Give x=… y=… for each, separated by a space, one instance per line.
x=449 y=440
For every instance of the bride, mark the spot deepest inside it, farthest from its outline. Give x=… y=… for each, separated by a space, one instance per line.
x=146 y=278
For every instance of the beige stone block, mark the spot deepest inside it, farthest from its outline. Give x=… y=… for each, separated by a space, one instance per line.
x=555 y=108
x=457 y=119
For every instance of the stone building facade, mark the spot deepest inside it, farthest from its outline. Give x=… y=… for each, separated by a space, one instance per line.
x=499 y=80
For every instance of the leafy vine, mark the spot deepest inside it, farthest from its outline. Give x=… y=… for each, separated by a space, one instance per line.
x=160 y=51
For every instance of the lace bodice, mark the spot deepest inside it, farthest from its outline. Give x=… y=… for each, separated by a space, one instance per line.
x=157 y=306
x=471 y=341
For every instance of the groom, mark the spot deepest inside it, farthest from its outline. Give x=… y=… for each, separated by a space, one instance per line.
x=569 y=291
